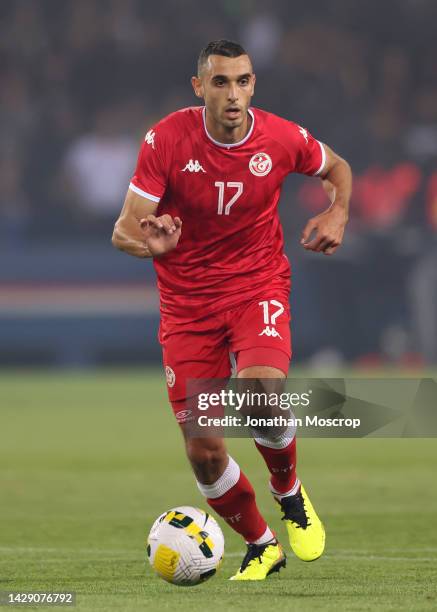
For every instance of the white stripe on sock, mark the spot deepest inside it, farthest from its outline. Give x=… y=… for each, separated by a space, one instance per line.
x=227 y=480
x=292 y=491
x=267 y=536
x=282 y=441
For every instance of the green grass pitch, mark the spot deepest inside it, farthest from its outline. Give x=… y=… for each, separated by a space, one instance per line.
x=87 y=462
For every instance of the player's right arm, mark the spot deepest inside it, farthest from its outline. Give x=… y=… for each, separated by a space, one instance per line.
x=140 y=233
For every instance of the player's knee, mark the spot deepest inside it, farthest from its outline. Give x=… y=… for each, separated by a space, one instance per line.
x=207 y=455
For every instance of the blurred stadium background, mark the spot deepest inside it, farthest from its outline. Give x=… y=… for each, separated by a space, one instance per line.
x=84 y=454
x=82 y=81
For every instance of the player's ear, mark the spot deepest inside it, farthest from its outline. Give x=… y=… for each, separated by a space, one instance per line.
x=197 y=86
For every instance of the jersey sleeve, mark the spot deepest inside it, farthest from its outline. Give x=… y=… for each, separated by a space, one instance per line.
x=150 y=178
x=307 y=154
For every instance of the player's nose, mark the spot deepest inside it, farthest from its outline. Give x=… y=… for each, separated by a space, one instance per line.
x=232 y=93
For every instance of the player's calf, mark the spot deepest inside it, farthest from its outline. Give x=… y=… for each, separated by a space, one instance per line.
x=208 y=458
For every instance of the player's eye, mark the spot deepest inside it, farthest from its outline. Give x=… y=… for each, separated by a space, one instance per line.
x=219 y=83
x=244 y=82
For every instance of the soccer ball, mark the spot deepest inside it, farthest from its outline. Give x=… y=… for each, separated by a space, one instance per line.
x=185 y=546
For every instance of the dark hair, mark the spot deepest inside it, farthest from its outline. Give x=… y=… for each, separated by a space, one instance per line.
x=220 y=47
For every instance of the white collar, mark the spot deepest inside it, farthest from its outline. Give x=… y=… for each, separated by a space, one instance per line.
x=229 y=145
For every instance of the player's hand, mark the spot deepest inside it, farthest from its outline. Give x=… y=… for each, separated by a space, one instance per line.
x=161 y=233
x=329 y=228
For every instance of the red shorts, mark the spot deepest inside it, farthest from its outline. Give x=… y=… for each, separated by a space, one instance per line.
x=256 y=332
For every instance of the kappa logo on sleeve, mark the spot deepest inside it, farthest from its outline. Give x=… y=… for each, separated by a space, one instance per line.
x=304 y=133
x=150 y=138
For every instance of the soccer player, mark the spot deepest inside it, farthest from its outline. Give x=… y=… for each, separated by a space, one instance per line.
x=203 y=204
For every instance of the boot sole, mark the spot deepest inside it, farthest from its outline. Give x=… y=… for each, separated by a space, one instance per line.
x=278 y=566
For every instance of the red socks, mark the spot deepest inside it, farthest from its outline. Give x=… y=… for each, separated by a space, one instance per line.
x=238 y=508
x=282 y=466
x=233 y=498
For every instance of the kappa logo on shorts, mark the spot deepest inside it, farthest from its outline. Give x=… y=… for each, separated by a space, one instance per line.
x=170 y=376
x=260 y=164
x=270 y=317
x=271 y=332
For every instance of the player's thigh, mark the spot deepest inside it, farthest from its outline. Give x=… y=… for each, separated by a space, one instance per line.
x=260 y=372
x=256 y=380
x=261 y=337
x=193 y=354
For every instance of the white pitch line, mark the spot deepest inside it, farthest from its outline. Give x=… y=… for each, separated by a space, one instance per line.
x=138 y=553
x=67 y=551
x=366 y=551
x=358 y=557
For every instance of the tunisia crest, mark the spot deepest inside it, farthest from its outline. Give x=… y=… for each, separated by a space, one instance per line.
x=260 y=164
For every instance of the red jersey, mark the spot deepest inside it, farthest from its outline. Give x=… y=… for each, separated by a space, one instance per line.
x=227 y=197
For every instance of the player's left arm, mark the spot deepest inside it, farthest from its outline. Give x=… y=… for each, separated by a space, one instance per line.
x=328 y=227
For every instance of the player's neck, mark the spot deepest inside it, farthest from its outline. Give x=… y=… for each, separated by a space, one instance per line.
x=227 y=135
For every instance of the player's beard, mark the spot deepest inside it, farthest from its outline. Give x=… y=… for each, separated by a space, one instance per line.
x=236 y=122
x=232 y=124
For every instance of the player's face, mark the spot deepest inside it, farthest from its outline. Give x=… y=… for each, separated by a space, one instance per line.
x=227 y=85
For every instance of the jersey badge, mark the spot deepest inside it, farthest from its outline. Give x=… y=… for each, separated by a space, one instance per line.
x=260 y=164
x=193 y=166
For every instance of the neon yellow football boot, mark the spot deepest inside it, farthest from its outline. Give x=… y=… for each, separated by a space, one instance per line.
x=305 y=530
x=260 y=561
